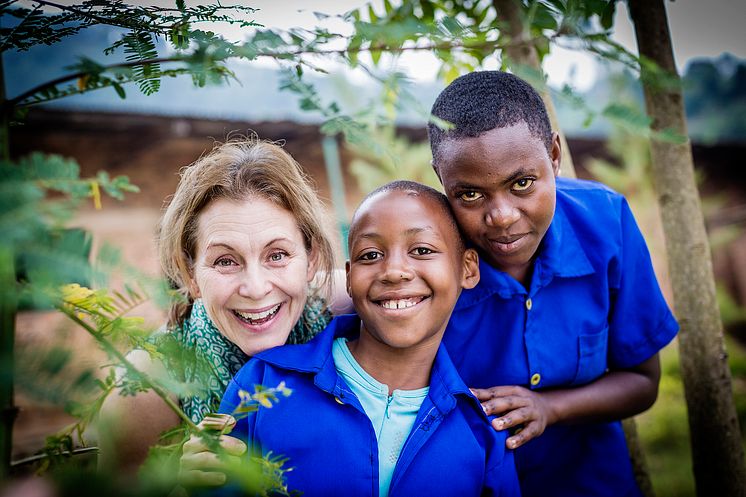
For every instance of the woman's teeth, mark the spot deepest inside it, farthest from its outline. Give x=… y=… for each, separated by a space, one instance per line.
x=258 y=317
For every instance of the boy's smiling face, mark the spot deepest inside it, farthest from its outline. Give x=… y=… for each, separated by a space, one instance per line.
x=501 y=186
x=406 y=268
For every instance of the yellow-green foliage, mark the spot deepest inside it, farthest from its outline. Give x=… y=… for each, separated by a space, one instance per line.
x=389 y=157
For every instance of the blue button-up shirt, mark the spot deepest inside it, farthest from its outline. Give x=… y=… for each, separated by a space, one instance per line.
x=331 y=444
x=593 y=304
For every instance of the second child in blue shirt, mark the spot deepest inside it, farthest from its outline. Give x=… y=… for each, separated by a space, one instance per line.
x=377 y=406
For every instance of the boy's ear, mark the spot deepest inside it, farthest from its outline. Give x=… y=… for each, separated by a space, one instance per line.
x=347 y=277
x=556 y=153
x=471 y=269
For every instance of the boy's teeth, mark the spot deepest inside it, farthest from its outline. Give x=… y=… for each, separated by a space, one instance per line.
x=399 y=304
x=254 y=316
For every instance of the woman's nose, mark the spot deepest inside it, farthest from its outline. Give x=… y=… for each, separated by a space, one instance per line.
x=255 y=283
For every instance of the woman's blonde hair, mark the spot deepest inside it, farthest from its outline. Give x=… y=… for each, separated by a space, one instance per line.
x=235 y=170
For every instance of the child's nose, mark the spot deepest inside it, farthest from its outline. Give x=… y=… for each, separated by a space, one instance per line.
x=396 y=269
x=501 y=214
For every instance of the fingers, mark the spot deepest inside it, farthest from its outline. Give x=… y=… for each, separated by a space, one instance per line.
x=493 y=392
x=529 y=432
x=232 y=445
x=218 y=422
x=514 y=419
x=498 y=405
x=197 y=478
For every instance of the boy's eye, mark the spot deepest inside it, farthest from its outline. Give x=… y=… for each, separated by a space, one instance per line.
x=522 y=184
x=370 y=256
x=423 y=251
x=470 y=196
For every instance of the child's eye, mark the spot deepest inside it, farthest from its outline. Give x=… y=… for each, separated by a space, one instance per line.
x=470 y=196
x=423 y=251
x=370 y=256
x=522 y=184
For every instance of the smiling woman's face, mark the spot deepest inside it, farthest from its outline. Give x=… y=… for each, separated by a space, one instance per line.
x=251 y=270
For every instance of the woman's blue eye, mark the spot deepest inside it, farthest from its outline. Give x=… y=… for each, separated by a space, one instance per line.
x=277 y=256
x=224 y=262
x=523 y=184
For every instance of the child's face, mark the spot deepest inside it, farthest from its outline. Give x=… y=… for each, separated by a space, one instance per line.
x=501 y=187
x=406 y=270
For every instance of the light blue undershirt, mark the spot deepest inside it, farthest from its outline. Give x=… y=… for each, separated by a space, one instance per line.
x=392 y=416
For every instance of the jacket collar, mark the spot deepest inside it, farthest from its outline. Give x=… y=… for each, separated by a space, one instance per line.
x=315 y=357
x=560 y=255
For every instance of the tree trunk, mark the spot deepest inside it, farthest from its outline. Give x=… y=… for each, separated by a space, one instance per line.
x=522 y=52
x=717 y=453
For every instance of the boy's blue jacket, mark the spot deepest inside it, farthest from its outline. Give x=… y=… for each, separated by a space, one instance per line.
x=331 y=444
x=593 y=305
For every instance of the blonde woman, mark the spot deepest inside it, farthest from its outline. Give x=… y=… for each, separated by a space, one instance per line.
x=242 y=240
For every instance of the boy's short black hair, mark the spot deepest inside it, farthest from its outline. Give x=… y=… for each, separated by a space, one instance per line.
x=420 y=190
x=484 y=100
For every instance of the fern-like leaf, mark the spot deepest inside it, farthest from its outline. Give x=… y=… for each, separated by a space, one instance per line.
x=140 y=47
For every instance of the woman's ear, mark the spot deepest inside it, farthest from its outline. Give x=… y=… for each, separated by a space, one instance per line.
x=194 y=287
x=313 y=263
x=471 y=269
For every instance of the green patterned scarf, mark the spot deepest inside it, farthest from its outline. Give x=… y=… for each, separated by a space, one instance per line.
x=224 y=358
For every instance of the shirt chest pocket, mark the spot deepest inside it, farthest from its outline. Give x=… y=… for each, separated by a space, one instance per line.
x=591 y=356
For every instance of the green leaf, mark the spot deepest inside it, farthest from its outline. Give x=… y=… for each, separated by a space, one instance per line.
x=628 y=117
x=607 y=16
x=120 y=91
x=373 y=18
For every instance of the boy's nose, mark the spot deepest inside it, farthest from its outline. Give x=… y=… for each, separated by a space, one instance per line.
x=396 y=269
x=501 y=215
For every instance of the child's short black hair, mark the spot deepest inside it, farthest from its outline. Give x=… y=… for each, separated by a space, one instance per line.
x=416 y=189
x=484 y=100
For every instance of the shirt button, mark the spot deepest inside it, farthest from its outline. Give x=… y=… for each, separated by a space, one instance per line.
x=535 y=379
x=529 y=304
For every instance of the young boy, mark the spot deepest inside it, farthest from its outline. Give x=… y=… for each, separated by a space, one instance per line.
x=377 y=407
x=561 y=335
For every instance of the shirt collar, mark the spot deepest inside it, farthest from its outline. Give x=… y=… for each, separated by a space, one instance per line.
x=316 y=357
x=560 y=255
